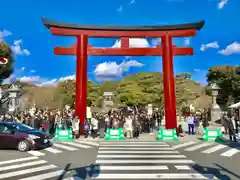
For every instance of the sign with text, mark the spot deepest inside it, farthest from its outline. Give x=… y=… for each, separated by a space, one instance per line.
x=167 y=135
x=115 y=134
x=63 y=135
x=212 y=135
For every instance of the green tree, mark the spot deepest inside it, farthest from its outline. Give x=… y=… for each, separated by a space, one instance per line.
x=66 y=91
x=134 y=90
x=228 y=79
x=6 y=70
x=184 y=75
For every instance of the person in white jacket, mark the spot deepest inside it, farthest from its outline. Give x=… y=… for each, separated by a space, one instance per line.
x=75 y=126
x=128 y=127
x=94 y=125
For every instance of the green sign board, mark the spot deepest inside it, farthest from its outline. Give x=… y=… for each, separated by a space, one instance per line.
x=212 y=135
x=167 y=135
x=114 y=134
x=63 y=135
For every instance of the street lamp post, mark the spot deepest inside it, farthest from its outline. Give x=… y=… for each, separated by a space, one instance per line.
x=215 y=109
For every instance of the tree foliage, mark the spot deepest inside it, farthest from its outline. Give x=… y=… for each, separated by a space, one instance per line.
x=184 y=75
x=6 y=70
x=228 y=79
x=134 y=90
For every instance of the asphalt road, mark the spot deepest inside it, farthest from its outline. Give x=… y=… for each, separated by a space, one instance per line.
x=123 y=160
x=59 y=162
x=220 y=159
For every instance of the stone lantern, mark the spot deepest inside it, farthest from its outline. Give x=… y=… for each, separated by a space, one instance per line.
x=107 y=100
x=13 y=94
x=215 y=109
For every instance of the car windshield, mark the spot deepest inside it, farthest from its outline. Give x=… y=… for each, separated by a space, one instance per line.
x=23 y=127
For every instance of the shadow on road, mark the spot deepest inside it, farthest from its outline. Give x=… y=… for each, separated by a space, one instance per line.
x=81 y=173
x=219 y=172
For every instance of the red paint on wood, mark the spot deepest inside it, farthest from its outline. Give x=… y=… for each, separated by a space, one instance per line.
x=169 y=83
x=81 y=80
x=124 y=52
x=116 y=34
x=125 y=42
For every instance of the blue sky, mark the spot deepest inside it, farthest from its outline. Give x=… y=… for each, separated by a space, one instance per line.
x=21 y=27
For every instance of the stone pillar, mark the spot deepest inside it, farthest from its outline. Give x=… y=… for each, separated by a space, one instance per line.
x=215 y=109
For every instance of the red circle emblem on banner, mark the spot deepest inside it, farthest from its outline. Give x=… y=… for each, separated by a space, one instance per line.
x=3 y=60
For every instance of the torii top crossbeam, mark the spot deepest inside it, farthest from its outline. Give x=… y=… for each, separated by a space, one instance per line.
x=82 y=49
x=179 y=30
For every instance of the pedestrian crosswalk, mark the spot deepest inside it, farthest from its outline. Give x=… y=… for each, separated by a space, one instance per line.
x=142 y=160
x=28 y=168
x=59 y=147
x=208 y=148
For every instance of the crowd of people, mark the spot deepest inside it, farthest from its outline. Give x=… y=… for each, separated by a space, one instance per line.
x=133 y=122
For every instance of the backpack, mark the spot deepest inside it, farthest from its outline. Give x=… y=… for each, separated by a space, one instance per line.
x=86 y=127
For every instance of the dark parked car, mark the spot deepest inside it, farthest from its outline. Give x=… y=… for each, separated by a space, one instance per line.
x=19 y=136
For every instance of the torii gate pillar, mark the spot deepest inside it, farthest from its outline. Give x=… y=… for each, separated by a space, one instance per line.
x=81 y=79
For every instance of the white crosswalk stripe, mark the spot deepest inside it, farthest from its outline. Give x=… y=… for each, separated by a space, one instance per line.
x=26 y=164
x=230 y=152
x=63 y=146
x=29 y=168
x=208 y=148
x=36 y=153
x=52 y=150
x=141 y=160
x=135 y=145
x=214 y=149
x=199 y=146
x=184 y=144
x=153 y=176
x=17 y=160
x=76 y=144
x=88 y=143
x=141 y=156
x=140 y=152
x=137 y=148
x=183 y=167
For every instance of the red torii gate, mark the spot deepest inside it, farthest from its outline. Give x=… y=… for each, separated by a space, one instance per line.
x=82 y=49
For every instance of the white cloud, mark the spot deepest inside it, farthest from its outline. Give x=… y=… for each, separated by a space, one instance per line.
x=196 y=70
x=5 y=33
x=156 y=42
x=133 y=43
x=132 y=2
x=55 y=81
x=213 y=45
x=109 y=70
x=187 y=41
x=233 y=48
x=222 y=3
x=120 y=9
x=17 y=48
x=52 y=82
x=37 y=80
x=32 y=71
x=23 y=68
x=30 y=79
x=70 y=77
